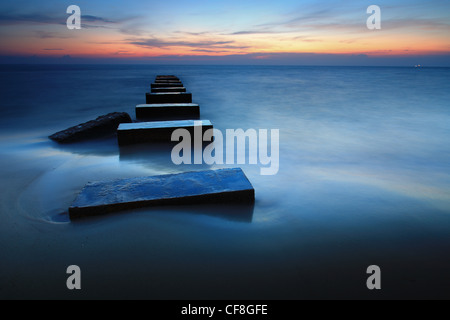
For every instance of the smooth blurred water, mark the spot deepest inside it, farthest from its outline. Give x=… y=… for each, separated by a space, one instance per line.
x=364 y=179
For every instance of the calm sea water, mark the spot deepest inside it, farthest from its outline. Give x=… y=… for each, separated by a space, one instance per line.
x=364 y=179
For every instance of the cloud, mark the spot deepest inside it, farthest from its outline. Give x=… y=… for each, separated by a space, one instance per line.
x=38 y=18
x=134 y=25
x=50 y=35
x=312 y=40
x=91 y=26
x=300 y=19
x=91 y=18
x=257 y=32
x=387 y=25
x=133 y=31
x=158 y=43
x=209 y=51
x=335 y=19
x=32 y=18
x=420 y=23
x=292 y=24
x=193 y=33
x=122 y=53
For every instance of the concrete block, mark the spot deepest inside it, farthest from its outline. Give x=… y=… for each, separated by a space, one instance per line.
x=166 y=85
x=173 y=89
x=167 y=78
x=168 y=81
x=158 y=131
x=168 y=97
x=210 y=186
x=173 y=111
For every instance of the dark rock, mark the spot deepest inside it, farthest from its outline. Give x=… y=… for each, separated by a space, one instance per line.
x=161 y=131
x=99 y=127
x=211 y=186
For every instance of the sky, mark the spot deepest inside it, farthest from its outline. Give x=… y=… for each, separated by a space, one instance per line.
x=304 y=32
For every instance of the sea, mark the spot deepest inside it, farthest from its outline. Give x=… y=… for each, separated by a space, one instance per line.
x=363 y=180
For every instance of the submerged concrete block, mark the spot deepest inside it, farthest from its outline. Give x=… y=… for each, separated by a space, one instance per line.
x=142 y=132
x=167 y=78
x=165 y=75
x=173 y=89
x=166 y=111
x=167 y=85
x=99 y=127
x=168 y=81
x=168 y=97
x=211 y=186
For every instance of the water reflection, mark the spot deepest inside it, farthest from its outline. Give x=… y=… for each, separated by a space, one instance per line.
x=103 y=153
x=102 y=147
x=158 y=154
x=240 y=213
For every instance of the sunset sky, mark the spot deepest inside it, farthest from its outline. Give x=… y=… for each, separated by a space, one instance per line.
x=244 y=31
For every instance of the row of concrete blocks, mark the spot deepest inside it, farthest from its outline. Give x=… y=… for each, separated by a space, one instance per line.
x=210 y=186
x=168 y=100
x=167 y=84
x=166 y=109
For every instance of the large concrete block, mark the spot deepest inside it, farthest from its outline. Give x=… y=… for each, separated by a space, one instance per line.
x=166 y=85
x=211 y=186
x=172 y=111
x=142 y=132
x=99 y=127
x=168 y=97
x=168 y=89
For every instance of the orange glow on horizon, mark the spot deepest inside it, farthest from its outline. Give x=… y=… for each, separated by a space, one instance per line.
x=108 y=44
